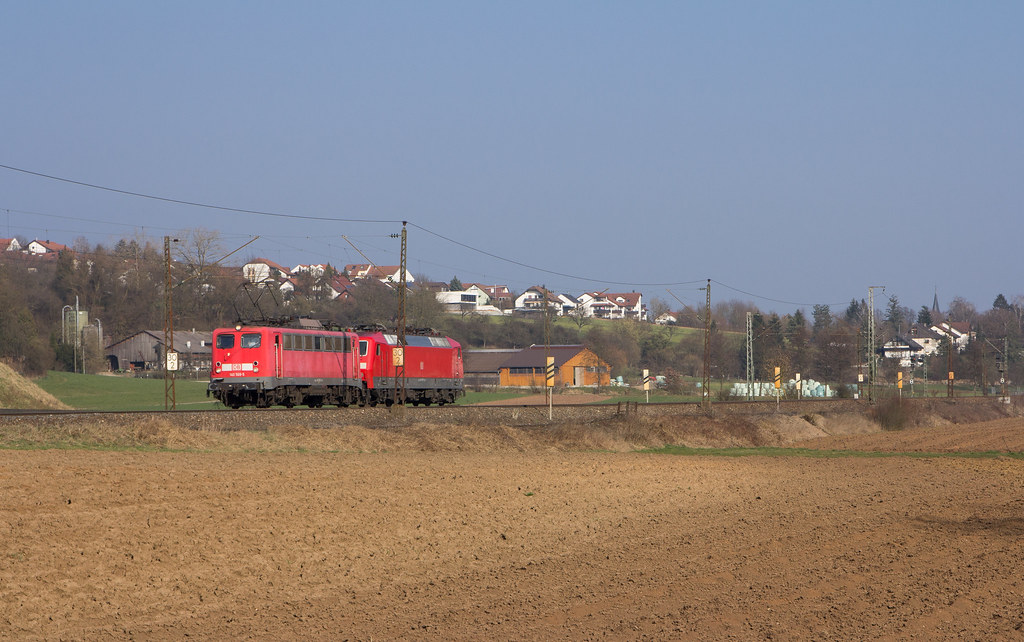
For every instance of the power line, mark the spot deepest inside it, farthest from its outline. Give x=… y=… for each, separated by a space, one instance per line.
x=758 y=296
x=545 y=271
x=238 y=210
x=332 y=219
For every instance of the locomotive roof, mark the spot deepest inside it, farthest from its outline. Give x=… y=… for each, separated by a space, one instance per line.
x=415 y=340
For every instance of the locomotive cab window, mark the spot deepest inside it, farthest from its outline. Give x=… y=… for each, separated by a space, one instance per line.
x=363 y=347
x=225 y=341
x=250 y=341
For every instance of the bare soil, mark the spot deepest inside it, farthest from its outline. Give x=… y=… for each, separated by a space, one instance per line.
x=518 y=540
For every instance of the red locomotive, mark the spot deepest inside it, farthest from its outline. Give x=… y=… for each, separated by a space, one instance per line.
x=281 y=366
x=432 y=366
x=264 y=365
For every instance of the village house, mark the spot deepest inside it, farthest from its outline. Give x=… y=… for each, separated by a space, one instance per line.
x=925 y=341
x=960 y=332
x=499 y=295
x=533 y=300
x=261 y=270
x=9 y=245
x=46 y=247
x=618 y=305
x=471 y=300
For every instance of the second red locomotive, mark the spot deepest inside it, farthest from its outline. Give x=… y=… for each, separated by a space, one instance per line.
x=429 y=366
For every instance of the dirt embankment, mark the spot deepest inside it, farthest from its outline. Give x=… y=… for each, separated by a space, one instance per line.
x=18 y=392
x=342 y=431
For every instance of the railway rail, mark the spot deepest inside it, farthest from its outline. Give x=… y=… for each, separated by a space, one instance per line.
x=561 y=411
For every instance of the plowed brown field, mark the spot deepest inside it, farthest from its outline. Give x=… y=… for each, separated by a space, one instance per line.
x=515 y=544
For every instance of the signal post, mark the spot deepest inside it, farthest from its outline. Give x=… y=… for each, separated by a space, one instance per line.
x=549 y=380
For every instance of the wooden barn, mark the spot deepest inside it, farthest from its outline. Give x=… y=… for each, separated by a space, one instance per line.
x=575 y=366
x=480 y=366
x=145 y=351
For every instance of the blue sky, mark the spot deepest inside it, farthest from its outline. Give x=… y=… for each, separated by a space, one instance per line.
x=793 y=152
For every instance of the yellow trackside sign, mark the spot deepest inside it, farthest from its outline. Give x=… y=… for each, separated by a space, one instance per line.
x=778 y=377
x=550 y=372
x=647 y=380
x=398 y=356
x=899 y=380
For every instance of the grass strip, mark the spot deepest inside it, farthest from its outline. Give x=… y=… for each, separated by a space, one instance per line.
x=774 y=451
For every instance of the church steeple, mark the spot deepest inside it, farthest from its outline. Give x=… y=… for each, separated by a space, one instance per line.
x=935 y=301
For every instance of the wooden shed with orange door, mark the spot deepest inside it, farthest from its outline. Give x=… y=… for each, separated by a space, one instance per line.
x=575 y=366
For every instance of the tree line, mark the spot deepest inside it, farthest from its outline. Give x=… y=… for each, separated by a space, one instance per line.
x=124 y=287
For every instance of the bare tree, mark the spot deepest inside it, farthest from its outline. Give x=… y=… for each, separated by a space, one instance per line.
x=198 y=251
x=961 y=310
x=578 y=315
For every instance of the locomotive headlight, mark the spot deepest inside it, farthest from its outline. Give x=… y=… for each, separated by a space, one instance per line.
x=255 y=366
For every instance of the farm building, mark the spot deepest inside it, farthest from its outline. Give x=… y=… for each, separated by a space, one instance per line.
x=480 y=366
x=575 y=366
x=145 y=351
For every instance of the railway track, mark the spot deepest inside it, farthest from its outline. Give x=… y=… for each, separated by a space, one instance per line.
x=507 y=413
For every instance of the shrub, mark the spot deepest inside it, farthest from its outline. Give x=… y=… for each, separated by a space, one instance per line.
x=892 y=414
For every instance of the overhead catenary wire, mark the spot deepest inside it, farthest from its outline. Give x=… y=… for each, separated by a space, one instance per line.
x=287 y=215
x=336 y=219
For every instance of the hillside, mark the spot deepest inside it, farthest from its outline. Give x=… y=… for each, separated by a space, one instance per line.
x=18 y=392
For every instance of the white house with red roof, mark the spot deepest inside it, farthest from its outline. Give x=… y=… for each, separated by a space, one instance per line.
x=959 y=331
x=614 y=305
x=498 y=295
x=533 y=299
x=260 y=270
x=46 y=247
x=9 y=245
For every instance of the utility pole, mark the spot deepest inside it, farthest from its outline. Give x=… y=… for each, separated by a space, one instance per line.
x=169 y=360
x=549 y=379
x=872 y=364
x=402 y=285
x=78 y=335
x=706 y=380
x=949 y=365
x=750 y=356
x=1005 y=366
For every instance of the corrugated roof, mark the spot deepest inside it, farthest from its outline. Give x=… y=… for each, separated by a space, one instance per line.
x=534 y=356
x=485 y=360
